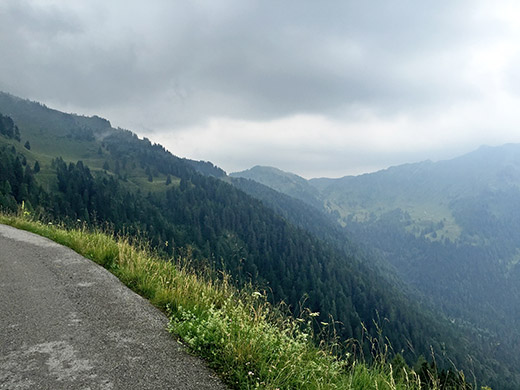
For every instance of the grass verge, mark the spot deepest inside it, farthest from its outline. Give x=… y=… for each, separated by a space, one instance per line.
x=242 y=336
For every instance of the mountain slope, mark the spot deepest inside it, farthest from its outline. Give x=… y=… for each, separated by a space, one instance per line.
x=100 y=175
x=451 y=230
x=459 y=205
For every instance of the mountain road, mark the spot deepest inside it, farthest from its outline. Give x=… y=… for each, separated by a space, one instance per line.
x=67 y=323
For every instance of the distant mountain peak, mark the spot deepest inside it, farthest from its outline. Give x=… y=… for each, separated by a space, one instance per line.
x=285 y=182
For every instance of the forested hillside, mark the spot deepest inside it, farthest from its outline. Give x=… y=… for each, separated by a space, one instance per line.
x=80 y=170
x=449 y=229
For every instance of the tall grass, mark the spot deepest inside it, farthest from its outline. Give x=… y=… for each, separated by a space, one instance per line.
x=248 y=341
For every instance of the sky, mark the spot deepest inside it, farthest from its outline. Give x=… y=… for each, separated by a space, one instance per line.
x=318 y=88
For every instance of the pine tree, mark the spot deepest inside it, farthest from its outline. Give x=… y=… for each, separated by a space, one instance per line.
x=17 y=134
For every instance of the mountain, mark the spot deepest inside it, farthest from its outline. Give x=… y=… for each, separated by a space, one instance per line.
x=91 y=172
x=67 y=167
x=451 y=231
x=459 y=212
x=426 y=190
x=284 y=182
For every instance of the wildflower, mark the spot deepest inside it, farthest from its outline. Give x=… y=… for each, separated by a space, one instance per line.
x=256 y=294
x=315 y=314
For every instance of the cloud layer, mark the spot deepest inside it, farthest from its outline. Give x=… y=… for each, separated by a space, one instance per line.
x=298 y=84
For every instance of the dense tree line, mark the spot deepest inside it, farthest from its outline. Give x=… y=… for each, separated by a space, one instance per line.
x=17 y=181
x=8 y=128
x=206 y=168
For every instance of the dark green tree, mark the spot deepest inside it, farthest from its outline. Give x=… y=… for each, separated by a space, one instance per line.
x=17 y=134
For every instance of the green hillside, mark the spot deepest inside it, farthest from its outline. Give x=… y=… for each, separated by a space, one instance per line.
x=450 y=230
x=79 y=170
x=459 y=214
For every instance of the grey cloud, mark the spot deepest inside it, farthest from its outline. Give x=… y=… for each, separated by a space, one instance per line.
x=306 y=57
x=511 y=79
x=187 y=61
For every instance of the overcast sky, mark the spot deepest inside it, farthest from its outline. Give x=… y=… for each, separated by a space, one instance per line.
x=318 y=88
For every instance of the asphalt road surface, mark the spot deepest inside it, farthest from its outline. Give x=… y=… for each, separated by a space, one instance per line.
x=67 y=323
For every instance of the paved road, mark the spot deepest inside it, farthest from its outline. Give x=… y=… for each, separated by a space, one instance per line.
x=66 y=323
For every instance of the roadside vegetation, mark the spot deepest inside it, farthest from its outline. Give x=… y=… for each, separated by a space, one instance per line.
x=248 y=341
